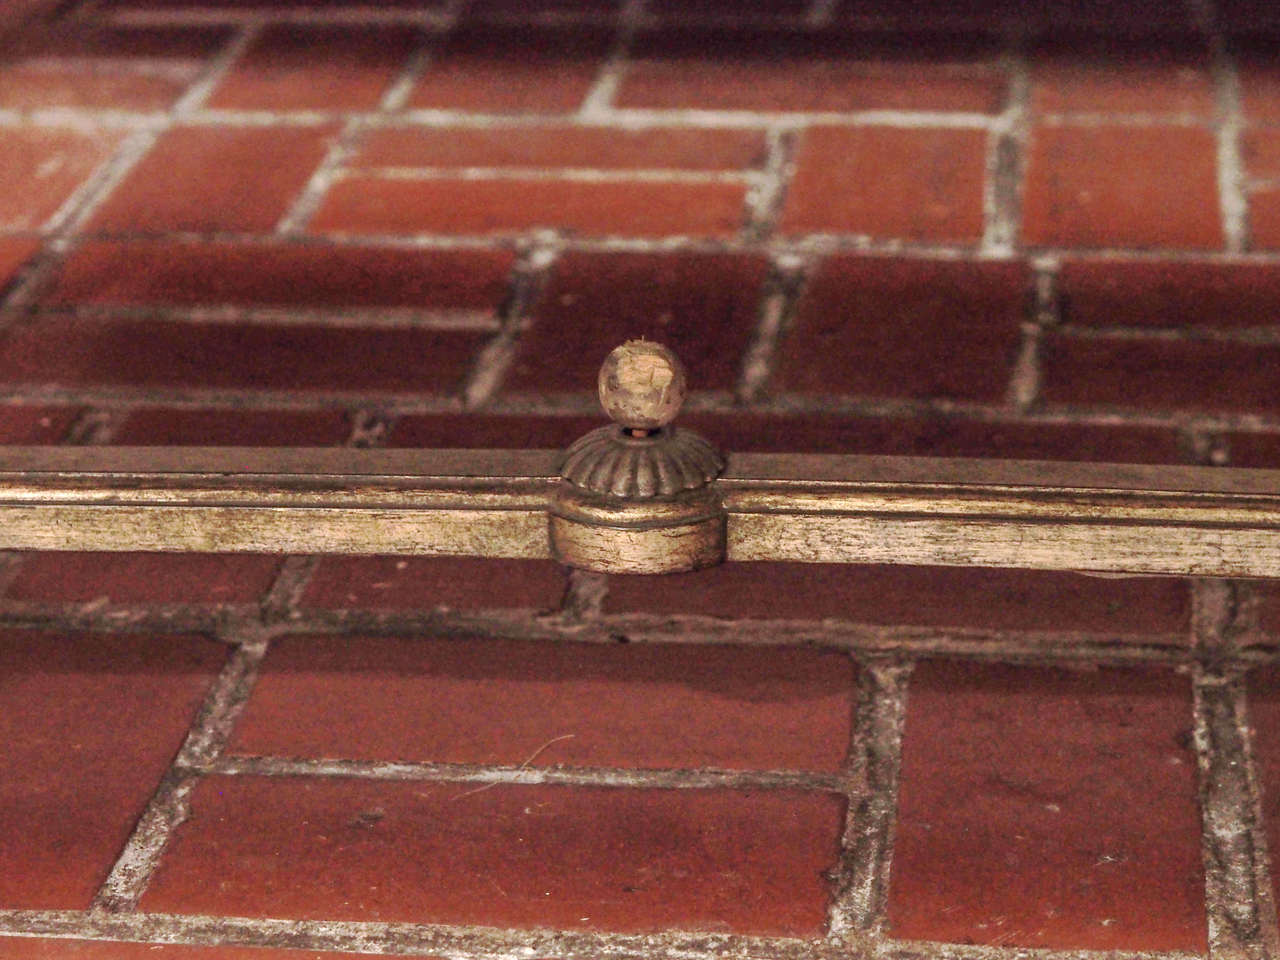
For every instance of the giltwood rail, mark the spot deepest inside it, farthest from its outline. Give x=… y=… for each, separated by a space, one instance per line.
x=494 y=503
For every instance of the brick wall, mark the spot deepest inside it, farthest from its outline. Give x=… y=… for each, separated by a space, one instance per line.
x=1035 y=230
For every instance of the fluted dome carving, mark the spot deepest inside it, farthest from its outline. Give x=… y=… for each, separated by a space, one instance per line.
x=612 y=462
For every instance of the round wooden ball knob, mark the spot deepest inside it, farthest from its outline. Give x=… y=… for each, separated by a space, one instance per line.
x=642 y=385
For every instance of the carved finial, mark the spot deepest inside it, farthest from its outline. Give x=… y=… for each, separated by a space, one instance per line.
x=642 y=385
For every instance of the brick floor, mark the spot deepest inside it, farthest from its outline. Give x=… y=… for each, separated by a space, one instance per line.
x=971 y=228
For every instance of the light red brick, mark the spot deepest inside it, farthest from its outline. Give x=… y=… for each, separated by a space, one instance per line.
x=295 y=67
x=927 y=183
x=510 y=856
x=560 y=145
x=216 y=178
x=879 y=326
x=475 y=700
x=1142 y=187
x=1048 y=808
x=644 y=208
x=90 y=724
x=703 y=306
x=41 y=168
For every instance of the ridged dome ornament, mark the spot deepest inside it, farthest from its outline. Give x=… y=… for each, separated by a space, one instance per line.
x=649 y=483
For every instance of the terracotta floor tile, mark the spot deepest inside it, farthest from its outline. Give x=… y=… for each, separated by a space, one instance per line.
x=89 y=725
x=701 y=305
x=204 y=179
x=475 y=700
x=880 y=326
x=928 y=183
x=942 y=597
x=1142 y=187
x=511 y=856
x=42 y=167
x=1048 y=808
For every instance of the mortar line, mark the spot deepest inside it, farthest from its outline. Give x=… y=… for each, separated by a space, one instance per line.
x=1006 y=160
x=397 y=94
x=1264 y=888
x=168 y=807
x=567 y=174
x=861 y=886
x=1228 y=123
x=820 y=13
x=96 y=426
x=776 y=309
x=529 y=276
x=1025 y=380
x=584 y=595
x=391 y=318
x=768 y=190
x=599 y=99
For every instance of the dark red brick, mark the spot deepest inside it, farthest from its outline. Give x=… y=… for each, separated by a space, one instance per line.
x=1256 y=450
x=195 y=578
x=489 y=431
x=1264 y=218
x=255 y=356
x=1269 y=608
x=1024 y=16
x=103 y=67
x=542 y=147
x=216 y=178
x=719 y=69
x=1164 y=374
x=703 y=306
x=169 y=427
x=159 y=272
x=454 y=583
x=1259 y=74
x=502 y=69
x=928 y=183
x=21 y=425
x=473 y=700
x=90 y=723
x=1121 y=73
x=1168 y=293
x=942 y=597
x=42 y=167
x=32 y=948
x=1122 y=187
x=643 y=208
x=1264 y=719
x=906 y=328
x=1048 y=808
x=933 y=437
x=511 y=856
x=1261 y=150
x=14 y=253
x=293 y=67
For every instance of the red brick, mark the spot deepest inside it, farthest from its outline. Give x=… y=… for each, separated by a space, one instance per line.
x=160 y=272
x=541 y=147
x=1121 y=73
x=1025 y=16
x=14 y=253
x=941 y=597
x=142 y=578
x=168 y=427
x=641 y=208
x=1166 y=374
x=41 y=169
x=216 y=178
x=31 y=948
x=489 y=431
x=703 y=306
x=479 y=9
x=1261 y=149
x=1122 y=187
x=1259 y=78
x=1264 y=719
x=718 y=69
x=906 y=328
x=35 y=425
x=1268 y=608
x=292 y=357
x=105 y=67
x=1249 y=15
x=928 y=183
x=1264 y=218
x=932 y=437
x=762 y=9
x=90 y=723
x=472 y=700
x=1259 y=450
x=511 y=856
x=500 y=69
x=453 y=583
x=1048 y=808
x=292 y=67
x=1137 y=293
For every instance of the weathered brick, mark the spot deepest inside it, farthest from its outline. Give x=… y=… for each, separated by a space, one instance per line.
x=1048 y=808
